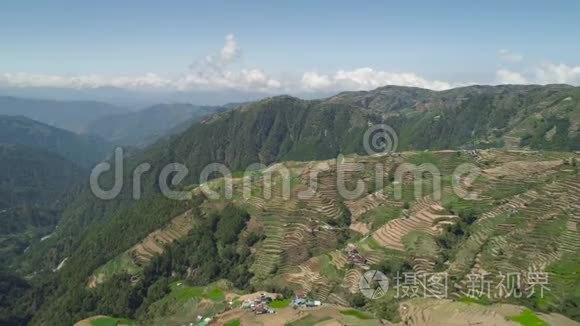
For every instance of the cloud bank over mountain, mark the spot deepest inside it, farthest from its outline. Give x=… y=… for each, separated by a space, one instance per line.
x=548 y=73
x=223 y=70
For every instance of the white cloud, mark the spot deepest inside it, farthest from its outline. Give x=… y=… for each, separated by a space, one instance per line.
x=208 y=73
x=558 y=73
x=505 y=76
x=213 y=72
x=246 y=79
x=149 y=80
x=257 y=78
x=217 y=71
x=314 y=81
x=231 y=51
x=544 y=74
x=509 y=56
x=368 y=78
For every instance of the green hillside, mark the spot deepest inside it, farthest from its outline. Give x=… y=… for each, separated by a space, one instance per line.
x=286 y=128
x=84 y=150
x=69 y=115
x=143 y=127
x=32 y=188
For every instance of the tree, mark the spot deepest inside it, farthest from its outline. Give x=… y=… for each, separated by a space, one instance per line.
x=358 y=300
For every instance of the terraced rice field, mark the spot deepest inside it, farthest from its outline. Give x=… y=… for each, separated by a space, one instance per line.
x=527 y=208
x=132 y=260
x=426 y=216
x=443 y=312
x=154 y=243
x=529 y=232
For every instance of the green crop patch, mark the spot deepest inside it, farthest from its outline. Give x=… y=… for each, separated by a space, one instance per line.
x=528 y=318
x=356 y=313
x=278 y=304
x=109 y=321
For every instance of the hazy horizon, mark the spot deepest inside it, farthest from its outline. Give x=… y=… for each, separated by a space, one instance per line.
x=142 y=53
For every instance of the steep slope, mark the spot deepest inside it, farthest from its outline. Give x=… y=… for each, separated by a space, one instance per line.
x=140 y=128
x=538 y=117
x=70 y=115
x=32 y=183
x=12 y=288
x=287 y=128
x=275 y=129
x=84 y=150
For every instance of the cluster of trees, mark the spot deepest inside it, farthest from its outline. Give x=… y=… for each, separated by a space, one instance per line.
x=343 y=220
x=454 y=234
x=12 y=288
x=552 y=133
x=214 y=249
x=32 y=186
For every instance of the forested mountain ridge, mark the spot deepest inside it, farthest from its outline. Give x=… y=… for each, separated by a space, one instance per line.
x=32 y=187
x=39 y=164
x=143 y=127
x=85 y=150
x=287 y=128
x=115 y=124
x=477 y=116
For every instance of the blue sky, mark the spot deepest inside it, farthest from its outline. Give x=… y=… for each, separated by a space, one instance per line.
x=293 y=46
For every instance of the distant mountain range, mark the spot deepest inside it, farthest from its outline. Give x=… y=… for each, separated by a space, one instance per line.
x=39 y=164
x=140 y=128
x=83 y=150
x=70 y=115
x=117 y=125
x=135 y=98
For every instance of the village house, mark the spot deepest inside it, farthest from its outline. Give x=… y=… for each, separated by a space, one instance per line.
x=259 y=305
x=353 y=256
